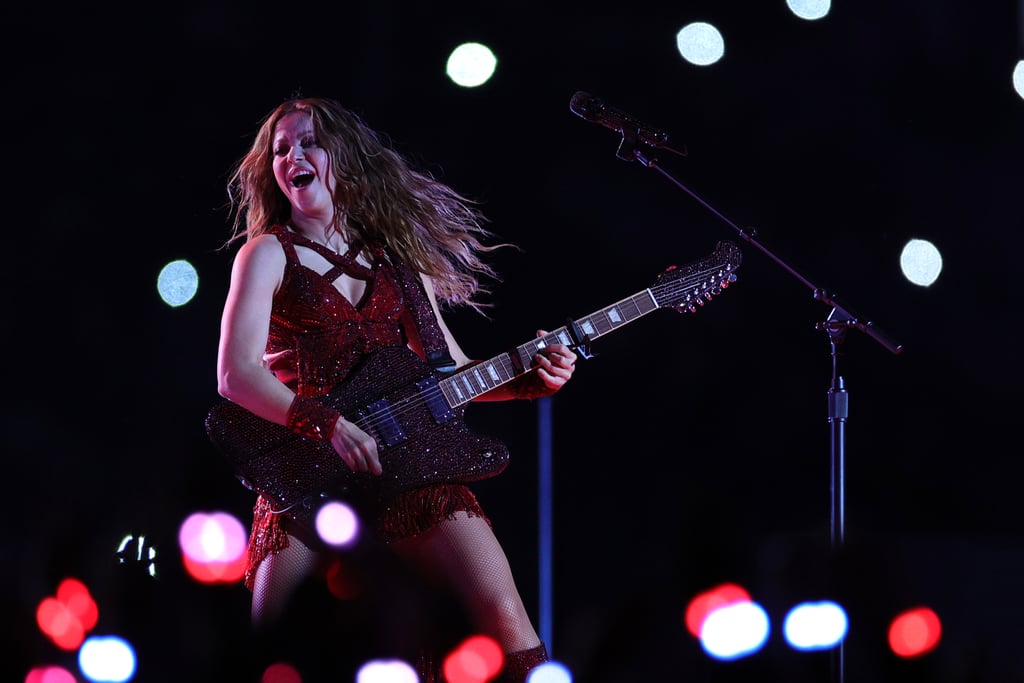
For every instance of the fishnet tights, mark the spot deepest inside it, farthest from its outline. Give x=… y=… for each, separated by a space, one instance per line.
x=460 y=554
x=463 y=554
x=278 y=576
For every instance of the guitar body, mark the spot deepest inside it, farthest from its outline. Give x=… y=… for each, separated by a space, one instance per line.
x=392 y=395
x=415 y=414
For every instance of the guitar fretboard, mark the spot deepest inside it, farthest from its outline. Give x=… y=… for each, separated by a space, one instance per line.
x=683 y=289
x=467 y=384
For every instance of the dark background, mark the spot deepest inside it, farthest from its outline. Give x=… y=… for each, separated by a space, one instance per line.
x=693 y=449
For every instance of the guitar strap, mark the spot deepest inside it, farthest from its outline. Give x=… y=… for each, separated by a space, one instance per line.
x=430 y=334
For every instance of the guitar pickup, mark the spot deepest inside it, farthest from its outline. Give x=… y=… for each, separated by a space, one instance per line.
x=434 y=399
x=383 y=420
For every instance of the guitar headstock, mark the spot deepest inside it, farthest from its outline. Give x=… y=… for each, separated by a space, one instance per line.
x=688 y=287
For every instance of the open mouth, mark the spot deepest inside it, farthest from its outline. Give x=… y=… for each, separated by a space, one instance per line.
x=301 y=179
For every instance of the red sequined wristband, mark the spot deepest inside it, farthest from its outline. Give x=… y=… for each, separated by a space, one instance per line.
x=530 y=386
x=310 y=418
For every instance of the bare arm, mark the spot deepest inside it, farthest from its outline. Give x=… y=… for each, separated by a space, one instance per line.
x=245 y=323
x=242 y=375
x=554 y=363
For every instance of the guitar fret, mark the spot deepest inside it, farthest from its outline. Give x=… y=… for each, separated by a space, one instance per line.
x=612 y=317
x=467 y=384
x=481 y=380
x=470 y=389
x=495 y=377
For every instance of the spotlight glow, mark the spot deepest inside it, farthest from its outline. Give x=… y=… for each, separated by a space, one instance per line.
x=1018 y=78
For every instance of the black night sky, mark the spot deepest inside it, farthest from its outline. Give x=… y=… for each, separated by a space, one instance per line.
x=693 y=449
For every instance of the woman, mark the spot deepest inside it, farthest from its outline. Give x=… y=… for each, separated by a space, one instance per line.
x=330 y=217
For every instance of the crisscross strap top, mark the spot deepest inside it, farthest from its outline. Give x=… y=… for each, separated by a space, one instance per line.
x=316 y=334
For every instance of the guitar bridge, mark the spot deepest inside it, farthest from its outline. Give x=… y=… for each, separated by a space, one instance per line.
x=384 y=422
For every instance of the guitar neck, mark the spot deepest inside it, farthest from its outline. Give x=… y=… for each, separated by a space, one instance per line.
x=467 y=384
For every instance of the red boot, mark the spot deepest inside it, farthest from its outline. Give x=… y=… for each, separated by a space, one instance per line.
x=518 y=665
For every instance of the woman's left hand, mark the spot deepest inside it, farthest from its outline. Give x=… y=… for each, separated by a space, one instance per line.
x=555 y=364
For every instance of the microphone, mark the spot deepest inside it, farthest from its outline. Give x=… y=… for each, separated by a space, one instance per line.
x=594 y=109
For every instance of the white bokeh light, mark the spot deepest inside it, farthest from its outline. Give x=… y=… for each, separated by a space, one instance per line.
x=735 y=631
x=1018 y=78
x=815 y=626
x=386 y=671
x=337 y=524
x=550 y=672
x=471 y=64
x=212 y=537
x=809 y=9
x=700 y=43
x=107 y=658
x=921 y=262
x=177 y=283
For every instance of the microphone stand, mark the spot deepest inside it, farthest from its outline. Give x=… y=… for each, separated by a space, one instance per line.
x=839 y=320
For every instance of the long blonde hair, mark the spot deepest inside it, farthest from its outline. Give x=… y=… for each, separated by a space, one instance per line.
x=379 y=198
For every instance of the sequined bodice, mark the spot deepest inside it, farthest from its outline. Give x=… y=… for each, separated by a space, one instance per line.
x=316 y=334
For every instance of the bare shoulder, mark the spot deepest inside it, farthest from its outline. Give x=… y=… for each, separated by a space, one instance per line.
x=428 y=283
x=261 y=253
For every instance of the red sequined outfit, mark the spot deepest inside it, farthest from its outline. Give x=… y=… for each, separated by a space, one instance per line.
x=316 y=337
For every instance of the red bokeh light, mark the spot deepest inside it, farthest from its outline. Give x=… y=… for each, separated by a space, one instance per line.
x=707 y=602
x=68 y=616
x=50 y=674
x=216 y=572
x=475 y=660
x=915 y=632
x=281 y=672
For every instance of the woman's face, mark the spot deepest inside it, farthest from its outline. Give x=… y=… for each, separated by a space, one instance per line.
x=302 y=168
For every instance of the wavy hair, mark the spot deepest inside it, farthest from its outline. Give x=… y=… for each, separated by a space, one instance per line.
x=379 y=198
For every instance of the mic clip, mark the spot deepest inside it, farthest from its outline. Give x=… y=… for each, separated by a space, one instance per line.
x=580 y=340
x=629 y=148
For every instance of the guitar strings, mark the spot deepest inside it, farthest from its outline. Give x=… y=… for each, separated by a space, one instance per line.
x=393 y=411
x=399 y=408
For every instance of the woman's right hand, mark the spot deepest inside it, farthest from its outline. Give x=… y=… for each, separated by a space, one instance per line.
x=356 y=447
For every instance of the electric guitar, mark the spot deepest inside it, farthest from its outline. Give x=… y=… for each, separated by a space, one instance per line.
x=415 y=413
